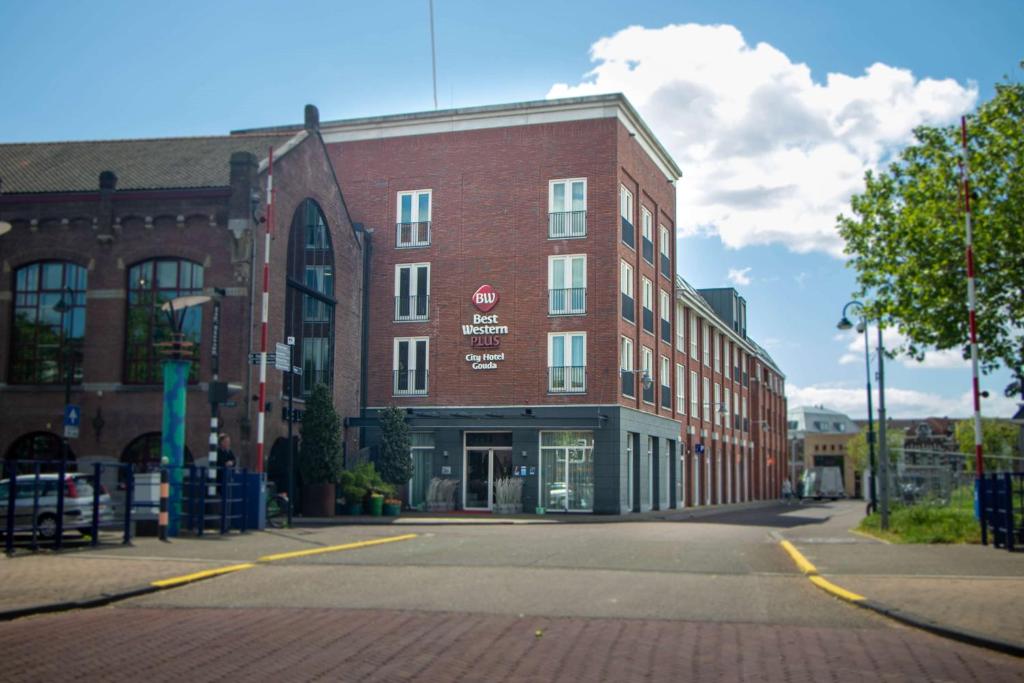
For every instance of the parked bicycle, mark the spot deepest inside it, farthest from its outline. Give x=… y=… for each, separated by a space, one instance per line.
x=277 y=507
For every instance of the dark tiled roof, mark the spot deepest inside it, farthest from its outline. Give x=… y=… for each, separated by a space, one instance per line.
x=161 y=163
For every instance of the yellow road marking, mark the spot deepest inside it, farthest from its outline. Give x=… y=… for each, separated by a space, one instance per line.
x=835 y=590
x=198 y=576
x=335 y=548
x=208 y=573
x=802 y=562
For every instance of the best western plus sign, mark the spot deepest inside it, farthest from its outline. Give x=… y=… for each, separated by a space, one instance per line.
x=485 y=330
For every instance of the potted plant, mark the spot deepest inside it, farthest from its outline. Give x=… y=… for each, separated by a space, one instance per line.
x=353 y=488
x=320 y=456
x=394 y=459
x=508 y=496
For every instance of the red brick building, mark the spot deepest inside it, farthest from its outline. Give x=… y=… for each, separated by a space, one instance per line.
x=506 y=274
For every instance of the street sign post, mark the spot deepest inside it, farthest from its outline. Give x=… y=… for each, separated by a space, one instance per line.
x=283 y=357
x=72 y=418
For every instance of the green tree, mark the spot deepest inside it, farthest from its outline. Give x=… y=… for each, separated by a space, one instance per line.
x=906 y=236
x=394 y=461
x=998 y=437
x=320 y=453
x=857 y=447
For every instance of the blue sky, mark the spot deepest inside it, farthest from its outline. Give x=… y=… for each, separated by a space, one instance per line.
x=761 y=200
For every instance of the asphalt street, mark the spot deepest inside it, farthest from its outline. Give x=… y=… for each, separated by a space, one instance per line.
x=707 y=599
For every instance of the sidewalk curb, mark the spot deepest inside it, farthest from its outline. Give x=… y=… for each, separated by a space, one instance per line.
x=178 y=581
x=908 y=618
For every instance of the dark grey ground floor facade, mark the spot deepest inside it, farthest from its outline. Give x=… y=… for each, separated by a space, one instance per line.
x=599 y=459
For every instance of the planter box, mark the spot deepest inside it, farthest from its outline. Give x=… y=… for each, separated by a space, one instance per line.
x=392 y=509
x=318 y=500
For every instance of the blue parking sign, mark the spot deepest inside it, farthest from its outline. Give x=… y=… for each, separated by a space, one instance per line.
x=72 y=418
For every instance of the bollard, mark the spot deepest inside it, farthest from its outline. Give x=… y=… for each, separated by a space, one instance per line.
x=191 y=488
x=97 y=469
x=62 y=471
x=165 y=489
x=36 y=488
x=201 y=529
x=225 y=499
x=129 y=502
x=242 y=526
x=12 y=492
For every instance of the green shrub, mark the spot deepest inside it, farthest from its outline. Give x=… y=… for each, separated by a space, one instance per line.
x=320 y=459
x=926 y=524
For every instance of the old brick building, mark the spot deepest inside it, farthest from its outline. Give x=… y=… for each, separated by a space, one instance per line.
x=103 y=232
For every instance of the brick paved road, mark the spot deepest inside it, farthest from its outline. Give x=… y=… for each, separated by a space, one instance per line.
x=335 y=644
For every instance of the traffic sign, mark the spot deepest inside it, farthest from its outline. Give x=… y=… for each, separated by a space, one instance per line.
x=254 y=358
x=72 y=418
x=283 y=357
x=698 y=449
x=297 y=371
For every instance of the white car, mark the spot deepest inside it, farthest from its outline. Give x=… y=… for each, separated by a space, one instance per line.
x=78 y=502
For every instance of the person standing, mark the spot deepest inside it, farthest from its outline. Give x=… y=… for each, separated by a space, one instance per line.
x=787 y=490
x=225 y=456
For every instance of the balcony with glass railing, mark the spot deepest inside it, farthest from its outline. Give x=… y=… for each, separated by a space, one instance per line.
x=666 y=266
x=628 y=236
x=648 y=320
x=628 y=308
x=648 y=250
x=408 y=235
x=410 y=382
x=412 y=308
x=572 y=301
x=628 y=383
x=567 y=379
x=666 y=331
x=567 y=224
x=666 y=397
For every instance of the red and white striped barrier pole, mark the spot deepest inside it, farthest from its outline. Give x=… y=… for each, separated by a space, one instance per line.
x=979 y=463
x=265 y=306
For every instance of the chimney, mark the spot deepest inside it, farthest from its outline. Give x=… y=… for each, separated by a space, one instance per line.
x=243 y=183
x=312 y=118
x=104 y=222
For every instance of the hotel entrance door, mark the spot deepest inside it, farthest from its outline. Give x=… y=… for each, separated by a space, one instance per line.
x=483 y=467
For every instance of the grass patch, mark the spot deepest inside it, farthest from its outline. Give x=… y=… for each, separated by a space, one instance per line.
x=926 y=524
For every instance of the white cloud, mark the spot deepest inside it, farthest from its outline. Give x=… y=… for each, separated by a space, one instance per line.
x=900 y=403
x=947 y=359
x=768 y=154
x=740 y=276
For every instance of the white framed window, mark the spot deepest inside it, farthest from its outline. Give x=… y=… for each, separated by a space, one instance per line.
x=626 y=365
x=567 y=284
x=666 y=382
x=625 y=203
x=706 y=400
x=567 y=362
x=626 y=212
x=412 y=291
x=727 y=405
x=567 y=208
x=665 y=312
x=728 y=355
x=706 y=338
x=694 y=395
x=647 y=370
x=648 y=304
x=626 y=289
x=647 y=231
x=680 y=329
x=693 y=335
x=717 y=416
x=413 y=213
x=664 y=249
x=680 y=389
x=411 y=364
x=744 y=407
x=716 y=341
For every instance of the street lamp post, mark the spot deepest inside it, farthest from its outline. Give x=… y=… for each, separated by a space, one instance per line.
x=862 y=328
x=65 y=305
x=883 y=469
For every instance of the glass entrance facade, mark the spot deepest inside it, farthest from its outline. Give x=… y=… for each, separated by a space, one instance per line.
x=567 y=471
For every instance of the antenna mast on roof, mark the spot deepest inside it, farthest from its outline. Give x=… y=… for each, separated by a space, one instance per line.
x=433 y=53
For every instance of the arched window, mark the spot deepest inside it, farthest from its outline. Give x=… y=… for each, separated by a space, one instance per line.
x=151 y=283
x=309 y=309
x=49 y=323
x=41 y=446
x=144 y=454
